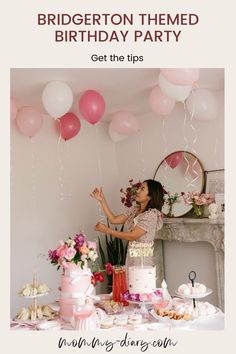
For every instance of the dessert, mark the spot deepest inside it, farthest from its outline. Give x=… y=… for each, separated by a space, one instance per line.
x=141 y=279
x=38 y=313
x=188 y=289
x=121 y=320
x=173 y=315
x=34 y=290
x=110 y=306
x=201 y=309
x=135 y=318
x=106 y=323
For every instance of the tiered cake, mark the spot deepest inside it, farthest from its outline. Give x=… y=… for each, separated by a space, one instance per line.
x=75 y=287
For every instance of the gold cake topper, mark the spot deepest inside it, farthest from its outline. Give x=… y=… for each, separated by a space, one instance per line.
x=141 y=249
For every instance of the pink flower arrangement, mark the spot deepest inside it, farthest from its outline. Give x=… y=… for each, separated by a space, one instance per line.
x=77 y=250
x=198 y=200
x=130 y=193
x=195 y=198
x=156 y=295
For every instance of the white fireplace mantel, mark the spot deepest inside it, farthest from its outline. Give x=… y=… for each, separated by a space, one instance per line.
x=194 y=230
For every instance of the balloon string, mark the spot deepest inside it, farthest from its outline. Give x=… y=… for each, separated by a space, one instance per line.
x=194 y=140
x=61 y=168
x=186 y=144
x=216 y=161
x=165 y=154
x=102 y=217
x=68 y=159
x=33 y=173
x=142 y=155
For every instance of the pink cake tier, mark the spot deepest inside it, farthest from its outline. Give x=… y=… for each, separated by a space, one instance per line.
x=75 y=287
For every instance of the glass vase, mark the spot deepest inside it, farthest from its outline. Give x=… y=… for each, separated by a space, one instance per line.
x=119 y=284
x=198 y=210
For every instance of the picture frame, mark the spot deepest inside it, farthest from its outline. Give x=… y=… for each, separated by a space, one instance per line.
x=215 y=183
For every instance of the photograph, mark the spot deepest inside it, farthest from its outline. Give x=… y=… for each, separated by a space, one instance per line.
x=110 y=172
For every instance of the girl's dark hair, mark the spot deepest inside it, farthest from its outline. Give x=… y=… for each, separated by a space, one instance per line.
x=156 y=193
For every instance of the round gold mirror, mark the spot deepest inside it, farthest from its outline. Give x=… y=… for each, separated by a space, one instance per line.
x=180 y=172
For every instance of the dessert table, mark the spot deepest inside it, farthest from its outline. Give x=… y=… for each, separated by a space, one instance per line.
x=149 y=322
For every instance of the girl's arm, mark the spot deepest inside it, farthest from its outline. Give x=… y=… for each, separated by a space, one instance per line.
x=133 y=235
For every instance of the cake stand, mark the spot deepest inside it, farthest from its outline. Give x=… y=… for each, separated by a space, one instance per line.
x=192 y=277
x=143 y=305
x=34 y=298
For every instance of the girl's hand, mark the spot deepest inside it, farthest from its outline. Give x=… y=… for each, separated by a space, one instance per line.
x=97 y=194
x=101 y=227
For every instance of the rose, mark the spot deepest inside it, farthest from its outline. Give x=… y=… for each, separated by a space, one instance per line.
x=61 y=251
x=70 y=253
x=84 y=250
x=92 y=255
x=53 y=255
x=109 y=268
x=92 y=245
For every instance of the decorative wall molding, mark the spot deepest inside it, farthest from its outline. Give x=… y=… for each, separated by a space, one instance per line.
x=194 y=230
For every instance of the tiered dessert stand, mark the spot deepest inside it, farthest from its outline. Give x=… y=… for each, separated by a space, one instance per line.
x=34 y=297
x=192 y=277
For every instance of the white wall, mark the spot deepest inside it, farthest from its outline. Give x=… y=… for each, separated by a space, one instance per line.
x=50 y=185
x=51 y=181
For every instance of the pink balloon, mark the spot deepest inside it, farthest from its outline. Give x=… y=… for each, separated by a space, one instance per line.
x=13 y=108
x=69 y=125
x=184 y=76
x=29 y=120
x=92 y=106
x=125 y=123
x=160 y=103
x=174 y=159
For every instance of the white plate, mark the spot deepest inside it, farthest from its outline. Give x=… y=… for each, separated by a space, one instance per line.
x=157 y=325
x=166 y=320
x=49 y=325
x=194 y=296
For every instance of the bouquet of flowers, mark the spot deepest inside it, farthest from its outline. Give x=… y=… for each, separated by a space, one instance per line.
x=76 y=250
x=79 y=251
x=198 y=200
x=130 y=193
x=170 y=200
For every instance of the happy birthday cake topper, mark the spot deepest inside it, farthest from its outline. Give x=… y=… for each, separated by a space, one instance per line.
x=141 y=249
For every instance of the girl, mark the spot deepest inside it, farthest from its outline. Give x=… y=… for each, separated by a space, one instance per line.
x=141 y=221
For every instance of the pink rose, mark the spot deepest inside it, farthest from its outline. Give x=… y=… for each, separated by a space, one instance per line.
x=70 y=253
x=92 y=245
x=61 y=251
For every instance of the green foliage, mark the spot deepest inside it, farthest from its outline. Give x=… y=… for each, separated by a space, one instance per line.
x=113 y=251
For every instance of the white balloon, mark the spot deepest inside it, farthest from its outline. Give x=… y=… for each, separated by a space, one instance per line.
x=116 y=137
x=202 y=104
x=177 y=92
x=57 y=98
